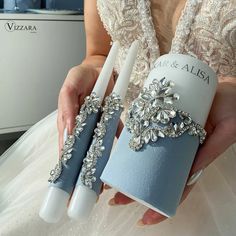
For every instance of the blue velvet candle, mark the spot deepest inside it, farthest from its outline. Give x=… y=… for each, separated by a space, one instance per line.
x=69 y=175
x=155 y=173
x=107 y=142
x=64 y=176
x=89 y=184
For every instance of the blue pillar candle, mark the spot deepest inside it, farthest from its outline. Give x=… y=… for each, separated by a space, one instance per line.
x=154 y=154
x=21 y=5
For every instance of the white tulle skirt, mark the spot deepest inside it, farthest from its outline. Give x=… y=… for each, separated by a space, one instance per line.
x=210 y=209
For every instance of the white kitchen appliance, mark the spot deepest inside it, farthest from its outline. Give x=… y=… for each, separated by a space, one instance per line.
x=36 y=53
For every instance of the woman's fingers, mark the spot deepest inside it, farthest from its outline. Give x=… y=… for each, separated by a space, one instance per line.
x=120 y=199
x=67 y=111
x=78 y=84
x=106 y=187
x=221 y=125
x=151 y=217
x=221 y=138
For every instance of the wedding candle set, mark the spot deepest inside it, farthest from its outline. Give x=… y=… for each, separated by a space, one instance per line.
x=152 y=159
x=86 y=151
x=156 y=149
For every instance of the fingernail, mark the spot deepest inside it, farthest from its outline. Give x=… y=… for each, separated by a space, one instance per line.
x=68 y=127
x=194 y=178
x=65 y=135
x=107 y=187
x=112 y=202
x=140 y=223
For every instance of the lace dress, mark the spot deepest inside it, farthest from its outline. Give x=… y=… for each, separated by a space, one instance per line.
x=207 y=30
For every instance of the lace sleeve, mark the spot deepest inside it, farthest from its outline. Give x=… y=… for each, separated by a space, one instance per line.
x=207 y=30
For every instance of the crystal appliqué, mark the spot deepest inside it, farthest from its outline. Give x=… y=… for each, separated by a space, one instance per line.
x=112 y=103
x=91 y=105
x=151 y=115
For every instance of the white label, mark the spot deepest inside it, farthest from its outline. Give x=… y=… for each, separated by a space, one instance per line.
x=194 y=80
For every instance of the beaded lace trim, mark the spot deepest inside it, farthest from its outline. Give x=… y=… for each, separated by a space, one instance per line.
x=184 y=26
x=207 y=31
x=126 y=21
x=149 y=29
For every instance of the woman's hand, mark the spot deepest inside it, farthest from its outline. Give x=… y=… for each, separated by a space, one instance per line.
x=78 y=84
x=221 y=129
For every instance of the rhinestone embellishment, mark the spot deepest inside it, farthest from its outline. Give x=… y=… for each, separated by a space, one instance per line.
x=112 y=103
x=151 y=115
x=91 y=105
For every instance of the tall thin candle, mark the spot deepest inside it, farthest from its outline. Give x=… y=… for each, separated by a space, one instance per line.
x=85 y=197
x=64 y=175
x=123 y=79
x=104 y=77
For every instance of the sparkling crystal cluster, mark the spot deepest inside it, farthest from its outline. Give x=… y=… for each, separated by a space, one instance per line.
x=91 y=105
x=112 y=103
x=151 y=115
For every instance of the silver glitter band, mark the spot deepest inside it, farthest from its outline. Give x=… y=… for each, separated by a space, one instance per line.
x=151 y=115
x=112 y=103
x=91 y=105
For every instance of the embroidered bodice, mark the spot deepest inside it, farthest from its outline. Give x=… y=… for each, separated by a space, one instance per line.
x=206 y=29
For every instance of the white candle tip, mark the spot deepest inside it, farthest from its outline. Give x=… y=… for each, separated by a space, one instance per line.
x=106 y=72
x=123 y=79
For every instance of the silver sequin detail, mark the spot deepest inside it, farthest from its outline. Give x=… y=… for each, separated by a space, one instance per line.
x=151 y=115
x=112 y=103
x=91 y=105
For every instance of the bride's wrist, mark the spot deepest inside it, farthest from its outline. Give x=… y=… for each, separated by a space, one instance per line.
x=95 y=61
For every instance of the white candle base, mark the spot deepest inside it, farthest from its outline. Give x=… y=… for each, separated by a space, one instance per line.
x=82 y=203
x=54 y=205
